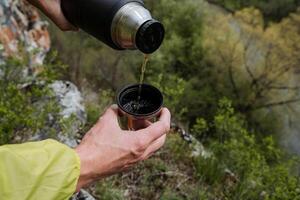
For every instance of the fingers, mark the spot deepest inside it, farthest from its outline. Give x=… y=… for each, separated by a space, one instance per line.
x=157 y=129
x=156 y=145
x=65 y=26
x=52 y=9
x=140 y=124
x=59 y=18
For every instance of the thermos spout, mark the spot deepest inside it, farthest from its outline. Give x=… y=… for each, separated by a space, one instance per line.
x=133 y=27
x=121 y=24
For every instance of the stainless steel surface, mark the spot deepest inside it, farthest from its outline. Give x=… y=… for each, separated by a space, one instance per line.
x=131 y=120
x=126 y=23
x=142 y=117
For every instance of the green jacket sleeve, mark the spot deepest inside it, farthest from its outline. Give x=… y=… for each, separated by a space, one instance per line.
x=46 y=170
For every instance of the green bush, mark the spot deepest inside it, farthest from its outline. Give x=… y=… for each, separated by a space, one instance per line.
x=27 y=105
x=242 y=166
x=107 y=191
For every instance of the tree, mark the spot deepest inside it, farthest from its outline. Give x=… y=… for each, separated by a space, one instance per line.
x=256 y=66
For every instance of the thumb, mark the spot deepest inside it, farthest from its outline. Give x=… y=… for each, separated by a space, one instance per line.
x=111 y=116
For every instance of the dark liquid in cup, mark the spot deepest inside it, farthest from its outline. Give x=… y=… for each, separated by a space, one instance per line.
x=138 y=106
x=147 y=107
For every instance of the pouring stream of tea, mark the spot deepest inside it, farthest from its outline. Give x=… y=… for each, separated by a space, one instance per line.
x=143 y=69
x=137 y=104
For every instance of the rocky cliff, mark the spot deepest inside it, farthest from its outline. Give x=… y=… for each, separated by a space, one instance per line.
x=20 y=25
x=22 y=30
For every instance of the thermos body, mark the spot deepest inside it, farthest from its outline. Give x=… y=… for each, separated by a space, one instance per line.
x=121 y=24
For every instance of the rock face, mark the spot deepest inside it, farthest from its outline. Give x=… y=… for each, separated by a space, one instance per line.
x=70 y=100
x=72 y=111
x=23 y=31
x=82 y=195
x=21 y=26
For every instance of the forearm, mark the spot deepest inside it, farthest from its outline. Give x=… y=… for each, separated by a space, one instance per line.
x=42 y=5
x=86 y=177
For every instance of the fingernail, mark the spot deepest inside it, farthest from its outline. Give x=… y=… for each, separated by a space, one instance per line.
x=114 y=106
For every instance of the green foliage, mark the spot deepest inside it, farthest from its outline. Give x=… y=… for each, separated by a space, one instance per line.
x=108 y=192
x=104 y=99
x=27 y=105
x=227 y=123
x=16 y=103
x=181 y=51
x=54 y=68
x=172 y=88
x=178 y=65
x=200 y=129
x=271 y=152
x=244 y=167
x=272 y=10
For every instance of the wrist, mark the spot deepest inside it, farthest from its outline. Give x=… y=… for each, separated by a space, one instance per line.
x=86 y=175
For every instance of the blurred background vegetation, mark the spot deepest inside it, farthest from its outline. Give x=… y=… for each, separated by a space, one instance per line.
x=229 y=72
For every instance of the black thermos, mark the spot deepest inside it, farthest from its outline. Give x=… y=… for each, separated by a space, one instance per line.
x=121 y=24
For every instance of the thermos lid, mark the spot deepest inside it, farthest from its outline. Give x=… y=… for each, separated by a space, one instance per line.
x=150 y=36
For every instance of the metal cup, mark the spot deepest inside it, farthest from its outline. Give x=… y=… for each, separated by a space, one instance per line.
x=139 y=103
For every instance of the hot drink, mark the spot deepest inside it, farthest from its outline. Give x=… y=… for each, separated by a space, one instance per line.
x=143 y=69
x=148 y=106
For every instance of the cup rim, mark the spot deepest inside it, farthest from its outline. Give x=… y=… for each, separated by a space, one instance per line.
x=137 y=115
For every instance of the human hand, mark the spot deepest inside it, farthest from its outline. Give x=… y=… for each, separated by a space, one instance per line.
x=106 y=149
x=52 y=9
